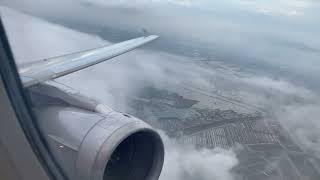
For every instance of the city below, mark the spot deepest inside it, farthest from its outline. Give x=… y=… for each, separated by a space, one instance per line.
x=264 y=149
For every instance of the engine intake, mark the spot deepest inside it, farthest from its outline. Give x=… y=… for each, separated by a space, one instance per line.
x=93 y=146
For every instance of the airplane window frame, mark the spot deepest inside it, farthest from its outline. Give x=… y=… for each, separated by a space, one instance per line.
x=20 y=103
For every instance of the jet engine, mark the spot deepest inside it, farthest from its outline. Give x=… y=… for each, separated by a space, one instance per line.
x=95 y=146
x=90 y=141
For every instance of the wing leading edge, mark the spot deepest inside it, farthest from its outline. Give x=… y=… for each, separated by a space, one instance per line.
x=59 y=66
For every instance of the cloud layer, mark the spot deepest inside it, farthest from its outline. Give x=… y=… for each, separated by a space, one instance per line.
x=295 y=107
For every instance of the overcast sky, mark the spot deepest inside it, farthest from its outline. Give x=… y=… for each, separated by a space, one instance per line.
x=278 y=34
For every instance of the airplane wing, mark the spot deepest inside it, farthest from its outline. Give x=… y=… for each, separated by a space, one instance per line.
x=52 y=68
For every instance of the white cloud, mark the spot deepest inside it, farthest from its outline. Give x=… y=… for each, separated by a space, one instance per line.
x=278 y=86
x=279 y=7
x=187 y=163
x=144 y=2
x=302 y=121
x=34 y=39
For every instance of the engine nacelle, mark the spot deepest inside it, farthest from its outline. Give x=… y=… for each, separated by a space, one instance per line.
x=94 y=146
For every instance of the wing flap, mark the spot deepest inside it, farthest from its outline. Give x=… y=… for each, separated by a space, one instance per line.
x=59 y=66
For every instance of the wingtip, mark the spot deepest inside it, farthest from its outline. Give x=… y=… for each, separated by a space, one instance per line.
x=153 y=37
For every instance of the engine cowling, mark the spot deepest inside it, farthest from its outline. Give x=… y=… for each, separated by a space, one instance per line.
x=94 y=146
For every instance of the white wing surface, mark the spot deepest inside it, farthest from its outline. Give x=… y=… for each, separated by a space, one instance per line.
x=59 y=66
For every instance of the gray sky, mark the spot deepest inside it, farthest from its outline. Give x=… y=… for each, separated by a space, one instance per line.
x=279 y=35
